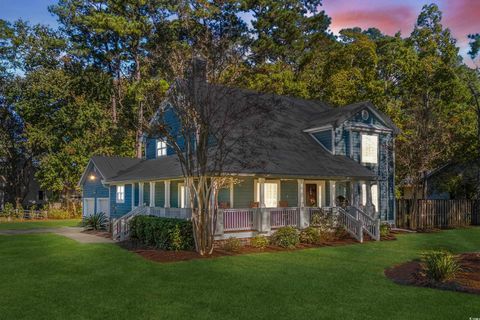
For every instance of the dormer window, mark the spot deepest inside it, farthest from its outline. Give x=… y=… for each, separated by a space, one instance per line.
x=161 y=148
x=370 y=148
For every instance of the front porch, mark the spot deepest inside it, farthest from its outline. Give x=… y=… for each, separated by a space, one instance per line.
x=260 y=205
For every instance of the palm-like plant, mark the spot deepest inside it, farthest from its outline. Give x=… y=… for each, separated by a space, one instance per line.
x=96 y=221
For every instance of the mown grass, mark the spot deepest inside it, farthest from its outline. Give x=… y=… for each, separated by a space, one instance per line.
x=35 y=224
x=46 y=276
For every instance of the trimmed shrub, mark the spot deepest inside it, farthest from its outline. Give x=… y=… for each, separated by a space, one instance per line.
x=232 y=244
x=97 y=221
x=53 y=213
x=385 y=229
x=286 y=237
x=8 y=210
x=440 y=265
x=259 y=242
x=310 y=235
x=162 y=233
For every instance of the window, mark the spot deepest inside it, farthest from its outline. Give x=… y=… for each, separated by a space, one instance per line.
x=120 y=194
x=271 y=194
x=161 y=148
x=369 y=148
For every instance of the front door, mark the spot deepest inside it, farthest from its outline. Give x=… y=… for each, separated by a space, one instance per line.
x=312 y=195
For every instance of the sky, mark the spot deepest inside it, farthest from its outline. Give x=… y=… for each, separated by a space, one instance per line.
x=390 y=16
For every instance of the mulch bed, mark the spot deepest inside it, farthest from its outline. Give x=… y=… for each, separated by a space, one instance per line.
x=164 y=256
x=467 y=280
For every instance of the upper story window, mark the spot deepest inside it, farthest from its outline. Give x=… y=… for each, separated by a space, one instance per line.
x=161 y=148
x=120 y=194
x=369 y=148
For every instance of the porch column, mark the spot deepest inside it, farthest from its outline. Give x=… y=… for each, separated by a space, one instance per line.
x=187 y=193
x=140 y=194
x=264 y=219
x=304 y=213
x=231 y=193
x=332 y=193
x=133 y=195
x=152 y=194
x=167 y=193
x=370 y=208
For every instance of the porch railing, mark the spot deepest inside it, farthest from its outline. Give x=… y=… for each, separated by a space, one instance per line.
x=369 y=224
x=178 y=213
x=121 y=226
x=238 y=219
x=350 y=223
x=282 y=217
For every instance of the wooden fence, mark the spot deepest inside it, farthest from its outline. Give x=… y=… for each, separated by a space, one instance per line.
x=427 y=214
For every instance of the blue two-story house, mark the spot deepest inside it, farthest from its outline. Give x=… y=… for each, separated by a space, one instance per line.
x=325 y=157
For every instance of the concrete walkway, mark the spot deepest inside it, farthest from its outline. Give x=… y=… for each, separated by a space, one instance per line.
x=74 y=233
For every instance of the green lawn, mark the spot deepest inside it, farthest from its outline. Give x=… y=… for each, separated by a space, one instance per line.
x=46 y=276
x=39 y=224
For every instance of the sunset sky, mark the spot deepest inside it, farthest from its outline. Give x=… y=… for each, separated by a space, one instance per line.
x=390 y=16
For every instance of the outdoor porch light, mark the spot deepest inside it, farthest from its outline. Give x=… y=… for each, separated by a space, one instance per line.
x=92 y=177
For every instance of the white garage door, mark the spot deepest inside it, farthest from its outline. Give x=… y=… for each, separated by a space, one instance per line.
x=88 y=206
x=102 y=206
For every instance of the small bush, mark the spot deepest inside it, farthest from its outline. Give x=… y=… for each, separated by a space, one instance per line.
x=162 y=233
x=286 y=237
x=97 y=221
x=58 y=214
x=232 y=244
x=385 y=229
x=440 y=265
x=8 y=210
x=259 y=242
x=310 y=235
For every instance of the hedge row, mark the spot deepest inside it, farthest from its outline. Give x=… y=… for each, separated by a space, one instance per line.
x=162 y=233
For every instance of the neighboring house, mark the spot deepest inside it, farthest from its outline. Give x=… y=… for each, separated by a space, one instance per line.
x=450 y=181
x=321 y=155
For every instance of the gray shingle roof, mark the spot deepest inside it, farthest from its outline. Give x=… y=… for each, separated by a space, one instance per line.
x=289 y=152
x=110 y=167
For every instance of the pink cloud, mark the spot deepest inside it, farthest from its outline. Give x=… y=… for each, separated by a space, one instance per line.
x=388 y=19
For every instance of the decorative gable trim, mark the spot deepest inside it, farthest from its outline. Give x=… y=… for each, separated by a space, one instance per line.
x=91 y=165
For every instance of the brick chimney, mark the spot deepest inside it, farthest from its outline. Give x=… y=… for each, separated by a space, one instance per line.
x=199 y=70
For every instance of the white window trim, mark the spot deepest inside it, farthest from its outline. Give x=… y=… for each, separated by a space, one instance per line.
x=162 y=151
x=256 y=192
x=361 y=148
x=118 y=200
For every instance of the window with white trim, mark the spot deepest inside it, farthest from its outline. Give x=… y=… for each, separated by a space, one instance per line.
x=120 y=194
x=161 y=148
x=369 y=148
x=271 y=194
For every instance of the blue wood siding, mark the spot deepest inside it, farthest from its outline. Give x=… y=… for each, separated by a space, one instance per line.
x=289 y=192
x=146 y=193
x=151 y=148
x=243 y=193
x=119 y=209
x=136 y=194
x=325 y=138
x=160 y=194
x=348 y=143
x=94 y=188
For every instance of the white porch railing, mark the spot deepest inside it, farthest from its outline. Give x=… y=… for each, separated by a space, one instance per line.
x=282 y=217
x=351 y=224
x=121 y=226
x=238 y=219
x=178 y=213
x=369 y=224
